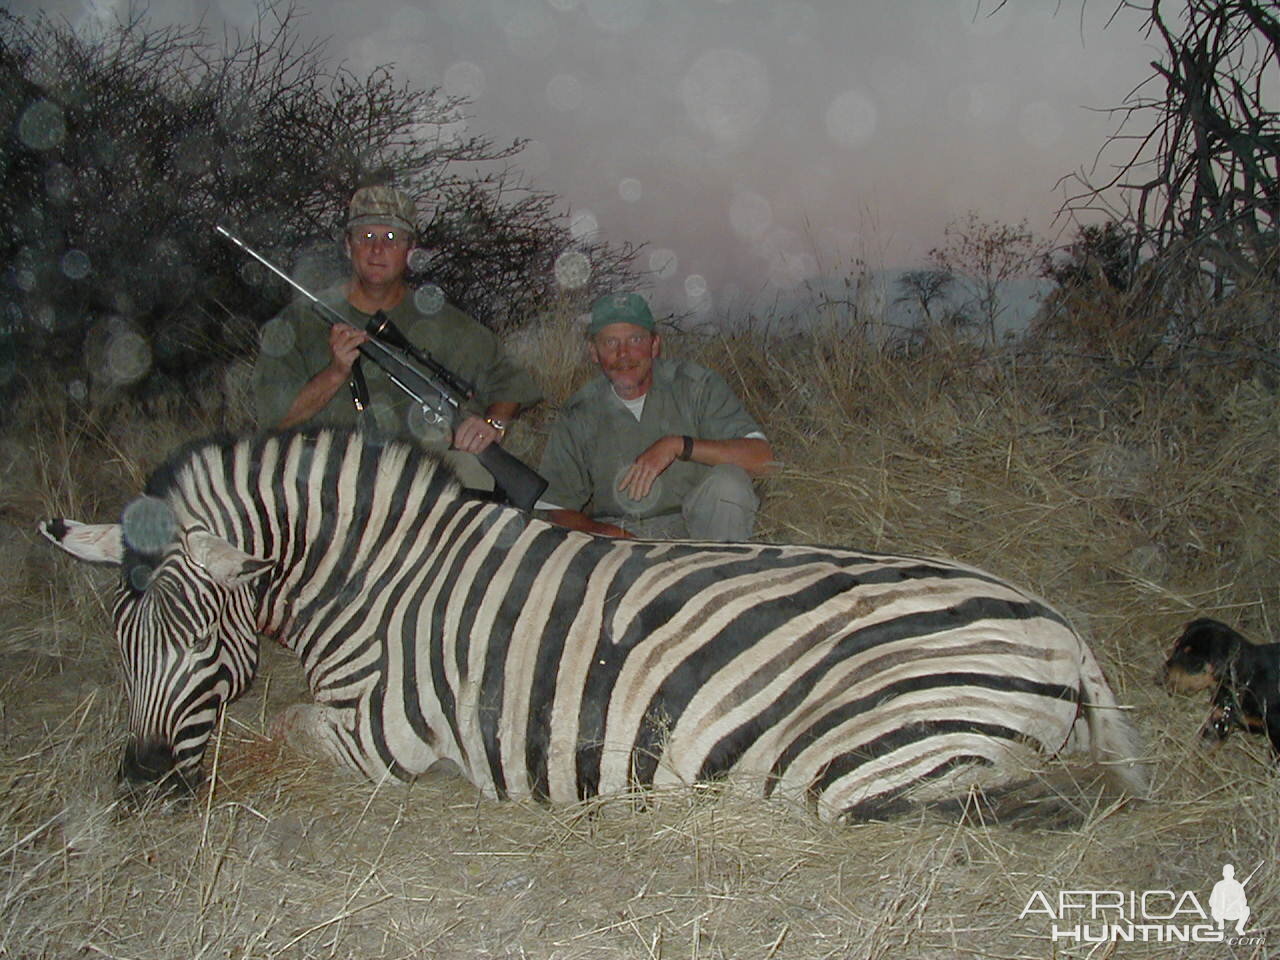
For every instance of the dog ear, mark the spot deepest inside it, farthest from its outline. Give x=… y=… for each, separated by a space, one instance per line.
x=1211 y=639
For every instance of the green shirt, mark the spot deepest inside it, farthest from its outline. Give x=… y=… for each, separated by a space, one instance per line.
x=295 y=347
x=597 y=438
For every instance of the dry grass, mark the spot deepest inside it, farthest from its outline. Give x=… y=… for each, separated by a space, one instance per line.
x=1131 y=504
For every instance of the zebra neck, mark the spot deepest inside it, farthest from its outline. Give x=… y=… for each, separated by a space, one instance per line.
x=338 y=607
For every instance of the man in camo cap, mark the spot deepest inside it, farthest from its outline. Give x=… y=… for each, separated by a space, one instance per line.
x=304 y=371
x=382 y=206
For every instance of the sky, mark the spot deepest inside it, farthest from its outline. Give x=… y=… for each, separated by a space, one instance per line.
x=756 y=147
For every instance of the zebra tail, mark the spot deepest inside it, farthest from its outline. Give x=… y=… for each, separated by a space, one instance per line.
x=1113 y=740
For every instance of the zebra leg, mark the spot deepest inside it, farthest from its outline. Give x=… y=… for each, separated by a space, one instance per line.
x=313 y=730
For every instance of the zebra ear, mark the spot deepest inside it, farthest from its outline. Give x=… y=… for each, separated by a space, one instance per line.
x=95 y=542
x=228 y=565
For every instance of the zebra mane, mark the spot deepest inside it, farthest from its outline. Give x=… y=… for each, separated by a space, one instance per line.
x=164 y=477
x=218 y=455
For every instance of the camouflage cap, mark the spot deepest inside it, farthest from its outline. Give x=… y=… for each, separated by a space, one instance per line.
x=383 y=205
x=620 y=308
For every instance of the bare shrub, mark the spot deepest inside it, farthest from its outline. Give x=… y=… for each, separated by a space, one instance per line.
x=127 y=146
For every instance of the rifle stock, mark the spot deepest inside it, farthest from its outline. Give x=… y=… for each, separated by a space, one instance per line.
x=521 y=485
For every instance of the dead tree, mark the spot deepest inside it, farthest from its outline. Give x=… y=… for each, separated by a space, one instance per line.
x=922 y=288
x=1201 y=164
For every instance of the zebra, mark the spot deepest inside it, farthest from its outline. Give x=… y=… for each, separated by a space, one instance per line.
x=554 y=665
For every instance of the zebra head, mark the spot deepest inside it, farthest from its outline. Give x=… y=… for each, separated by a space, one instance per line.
x=184 y=623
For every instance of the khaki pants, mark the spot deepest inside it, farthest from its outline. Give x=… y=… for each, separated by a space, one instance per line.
x=722 y=507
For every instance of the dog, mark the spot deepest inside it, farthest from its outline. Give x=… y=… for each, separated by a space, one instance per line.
x=1244 y=677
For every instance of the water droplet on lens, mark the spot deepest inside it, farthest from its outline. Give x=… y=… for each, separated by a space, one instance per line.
x=253 y=273
x=149 y=525
x=128 y=357
x=429 y=299
x=852 y=118
x=617 y=16
x=59 y=182
x=464 y=79
x=427 y=426
x=277 y=337
x=583 y=225
x=139 y=576
x=75 y=264
x=750 y=215
x=726 y=93
x=42 y=126
x=1040 y=125
x=641 y=506
x=572 y=269
x=664 y=262
x=419 y=260
x=564 y=92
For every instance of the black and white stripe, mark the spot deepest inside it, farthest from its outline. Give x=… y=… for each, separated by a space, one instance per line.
x=547 y=663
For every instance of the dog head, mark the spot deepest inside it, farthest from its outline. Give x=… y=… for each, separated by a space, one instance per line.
x=1201 y=656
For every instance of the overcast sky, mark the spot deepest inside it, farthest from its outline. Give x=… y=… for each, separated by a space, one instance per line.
x=756 y=144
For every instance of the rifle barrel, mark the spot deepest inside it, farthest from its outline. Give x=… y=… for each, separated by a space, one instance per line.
x=331 y=314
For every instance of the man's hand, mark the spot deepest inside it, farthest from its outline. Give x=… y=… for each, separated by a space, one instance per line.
x=638 y=480
x=344 y=347
x=474 y=434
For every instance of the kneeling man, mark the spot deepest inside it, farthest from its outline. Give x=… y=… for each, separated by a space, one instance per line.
x=652 y=447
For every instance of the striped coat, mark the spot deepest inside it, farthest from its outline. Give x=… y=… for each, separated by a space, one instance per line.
x=551 y=664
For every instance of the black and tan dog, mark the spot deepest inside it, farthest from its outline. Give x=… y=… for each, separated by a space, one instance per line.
x=1244 y=677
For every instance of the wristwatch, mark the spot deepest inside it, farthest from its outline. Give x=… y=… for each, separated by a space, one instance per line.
x=499 y=425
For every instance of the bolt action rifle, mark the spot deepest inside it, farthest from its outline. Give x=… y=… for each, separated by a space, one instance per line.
x=428 y=383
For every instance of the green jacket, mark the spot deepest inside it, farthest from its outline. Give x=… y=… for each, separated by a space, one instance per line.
x=295 y=347
x=597 y=438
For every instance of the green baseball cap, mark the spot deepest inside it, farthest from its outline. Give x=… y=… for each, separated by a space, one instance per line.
x=620 y=308
x=383 y=205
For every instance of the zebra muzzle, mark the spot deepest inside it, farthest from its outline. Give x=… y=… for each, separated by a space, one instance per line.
x=154 y=765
